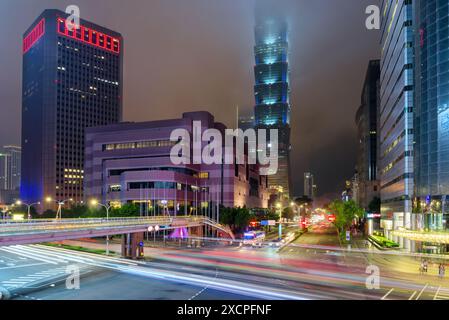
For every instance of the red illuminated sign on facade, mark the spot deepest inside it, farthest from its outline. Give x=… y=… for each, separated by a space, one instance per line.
x=90 y=36
x=33 y=36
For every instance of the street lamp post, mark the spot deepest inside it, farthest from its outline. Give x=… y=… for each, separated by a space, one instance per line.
x=60 y=205
x=279 y=206
x=107 y=207
x=20 y=203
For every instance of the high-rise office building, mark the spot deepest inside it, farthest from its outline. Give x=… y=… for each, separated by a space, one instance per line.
x=309 y=185
x=13 y=167
x=366 y=121
x=272 y=89
x=4 y=168
x=72 y=79
x=396 y=113
x=246 y=122
x=431 y=116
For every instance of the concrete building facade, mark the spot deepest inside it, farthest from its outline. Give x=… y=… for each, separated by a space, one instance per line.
x=130 y=163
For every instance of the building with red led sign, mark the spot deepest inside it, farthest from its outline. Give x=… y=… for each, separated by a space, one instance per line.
x=89 y=36
x=71 y=80
x=34 y=36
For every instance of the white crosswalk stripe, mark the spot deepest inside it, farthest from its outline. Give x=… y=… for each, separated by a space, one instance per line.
x=35 y=257
x=24 y=281
x=60 y=258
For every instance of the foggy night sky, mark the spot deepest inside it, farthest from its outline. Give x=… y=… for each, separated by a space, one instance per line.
x=189 y=55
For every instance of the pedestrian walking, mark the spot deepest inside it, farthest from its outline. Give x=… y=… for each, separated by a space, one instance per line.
x=441 y=271
x=425 y=266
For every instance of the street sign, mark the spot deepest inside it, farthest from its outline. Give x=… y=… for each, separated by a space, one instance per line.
x=348 y=235
x=271 y=222
x=264 y=223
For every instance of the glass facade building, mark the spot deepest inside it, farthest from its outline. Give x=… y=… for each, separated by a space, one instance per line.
x=72 y=79
x=309 y=185
x=13 y=155
x=396 y=113
x=366 y=121
x=272 y=90
x=432 y=115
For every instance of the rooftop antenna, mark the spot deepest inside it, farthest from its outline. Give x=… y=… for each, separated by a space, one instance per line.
x=237 y=122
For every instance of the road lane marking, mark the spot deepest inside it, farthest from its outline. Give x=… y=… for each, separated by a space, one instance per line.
x=205 y=288
x=23 y=266
x=436 y=294
x=388 y=293
x=26 y=280
x=423 y=289
x=411 y=298
x=88 y=256
x=9 y=250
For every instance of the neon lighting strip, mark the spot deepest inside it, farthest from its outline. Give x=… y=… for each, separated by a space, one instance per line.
x=34 y=36
x=90 y=36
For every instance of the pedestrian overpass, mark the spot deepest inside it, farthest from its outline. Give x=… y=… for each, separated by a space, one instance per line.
x=40 y=230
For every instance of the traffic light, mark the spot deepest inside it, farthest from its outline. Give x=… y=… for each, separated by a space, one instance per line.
x=253 y=224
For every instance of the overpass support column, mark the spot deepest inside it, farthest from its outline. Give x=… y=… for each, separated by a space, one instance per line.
x=131 y=248
x=197 y=232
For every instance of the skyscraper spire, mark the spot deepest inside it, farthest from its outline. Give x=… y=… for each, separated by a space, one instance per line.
x=272 y=88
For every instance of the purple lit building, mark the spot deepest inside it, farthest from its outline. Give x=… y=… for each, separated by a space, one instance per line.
x=130 y=163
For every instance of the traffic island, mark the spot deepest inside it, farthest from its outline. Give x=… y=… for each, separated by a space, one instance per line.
x=78 y=248
x=382 y=243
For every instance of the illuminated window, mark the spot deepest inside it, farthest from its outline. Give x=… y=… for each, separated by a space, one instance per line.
x=116 y=204
x=139 y=145
x=203 y=175
x=115 y=188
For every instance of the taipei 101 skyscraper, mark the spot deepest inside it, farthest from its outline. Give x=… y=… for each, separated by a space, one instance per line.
x=272 y=89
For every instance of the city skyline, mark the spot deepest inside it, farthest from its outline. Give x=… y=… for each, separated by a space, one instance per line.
x=312 y=144
x=134 y=180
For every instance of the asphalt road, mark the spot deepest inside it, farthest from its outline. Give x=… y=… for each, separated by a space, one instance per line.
x=40 y=273
x=313 y=267
x=399 y=276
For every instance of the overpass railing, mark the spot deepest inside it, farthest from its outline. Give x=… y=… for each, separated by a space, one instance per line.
x=54 y=225
x=91 y=223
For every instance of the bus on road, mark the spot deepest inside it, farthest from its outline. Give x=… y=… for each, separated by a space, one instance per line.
x=254 y=238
